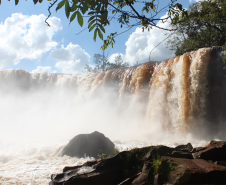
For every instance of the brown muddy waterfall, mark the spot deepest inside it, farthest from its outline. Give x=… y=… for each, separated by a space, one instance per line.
x=179 y=95
x=172 y=102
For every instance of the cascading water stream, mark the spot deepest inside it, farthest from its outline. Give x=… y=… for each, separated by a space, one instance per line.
x=177 y=100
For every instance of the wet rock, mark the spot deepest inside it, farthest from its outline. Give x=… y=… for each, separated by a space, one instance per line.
x=197 y=149
x=191 y=171
x=92 y=145
x=158 y=151
x=112 y=170
x=222 y=163
x=151 y=165
x=187 y=147
x=146 y=176
x=129 y=180
x=215 y=151
x=181 y=154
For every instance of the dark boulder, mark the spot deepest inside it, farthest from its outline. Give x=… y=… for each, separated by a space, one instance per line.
x=92 y=145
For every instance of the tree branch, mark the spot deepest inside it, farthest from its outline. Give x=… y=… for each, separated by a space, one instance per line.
x=51 y=5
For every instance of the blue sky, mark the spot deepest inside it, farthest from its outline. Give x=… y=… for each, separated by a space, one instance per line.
x=27 y=43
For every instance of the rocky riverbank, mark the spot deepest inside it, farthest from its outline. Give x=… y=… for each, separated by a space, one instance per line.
x=152 y=165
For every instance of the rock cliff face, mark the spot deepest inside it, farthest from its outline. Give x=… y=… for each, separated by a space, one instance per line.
x=152 y=165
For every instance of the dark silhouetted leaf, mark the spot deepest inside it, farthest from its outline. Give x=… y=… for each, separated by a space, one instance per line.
x=16 y=2
x=84 y=8
x=91 y=13
x=60 y=5
x=35 y=1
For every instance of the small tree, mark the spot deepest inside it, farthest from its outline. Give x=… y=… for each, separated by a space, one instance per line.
x=101 y=63
x=118 y=63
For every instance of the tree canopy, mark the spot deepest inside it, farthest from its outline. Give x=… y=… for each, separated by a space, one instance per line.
x=100 y=13
x=102 y=63
x=205 y=26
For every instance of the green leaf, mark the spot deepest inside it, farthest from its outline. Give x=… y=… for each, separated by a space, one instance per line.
x=101 y=27
x=35 y=1
x=90 y=24
x=179 y=6
x=84 y=8
x=99 y=20
x=98 y=8
x=16 y=2
x=67 y=9
x=104 y=16
x=60 y=5
x=73 y=8
x=40 y=1
x=91 y=18
x=95 y=34
x=91 y=13
x=92 y=28
x=92 y=4
x=73 y=16
x=80 y=19
x=100 y=34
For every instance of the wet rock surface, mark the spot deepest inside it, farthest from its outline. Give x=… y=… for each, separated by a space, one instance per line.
x=152 y=165
x=92 y=145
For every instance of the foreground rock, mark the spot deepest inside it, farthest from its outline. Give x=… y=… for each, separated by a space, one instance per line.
x=152 y=165
x=92 y=145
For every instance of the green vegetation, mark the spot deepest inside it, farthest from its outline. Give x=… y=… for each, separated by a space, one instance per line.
x=103 y=156
x=102 y=63
x=205 y=26
x=115 y=152
x=157 y=163
x=224 y=48
x=100 y=13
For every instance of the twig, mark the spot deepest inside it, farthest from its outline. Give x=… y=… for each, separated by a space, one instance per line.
x=51 y=5
x=81 y=31
x=159 y=44
x=123 y=32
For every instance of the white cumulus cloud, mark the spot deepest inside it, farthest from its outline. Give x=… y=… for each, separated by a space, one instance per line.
x=113 y=56
x=70 y=59
x=42 y=69
x=140 y=44
x=26 y=37
x=192 y=1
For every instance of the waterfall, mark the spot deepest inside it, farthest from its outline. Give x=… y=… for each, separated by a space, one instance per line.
x=172 y=102
x=177 y=95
